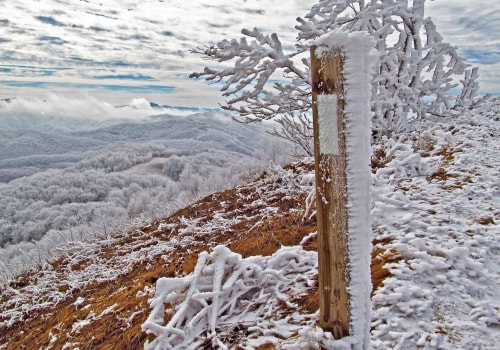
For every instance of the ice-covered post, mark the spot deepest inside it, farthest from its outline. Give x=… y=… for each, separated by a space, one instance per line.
x=331 y=187
x=341 y=75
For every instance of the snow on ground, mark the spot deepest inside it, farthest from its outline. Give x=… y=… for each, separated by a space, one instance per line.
x=442 y=213
x=165 y=245
x=435 y=203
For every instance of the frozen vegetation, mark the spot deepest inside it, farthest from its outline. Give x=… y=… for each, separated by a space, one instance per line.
x=79 y=179
x=435 y=222
x=65 y=179
x=436 y=205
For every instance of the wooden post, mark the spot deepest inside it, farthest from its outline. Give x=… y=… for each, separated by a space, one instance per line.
x=331 y=191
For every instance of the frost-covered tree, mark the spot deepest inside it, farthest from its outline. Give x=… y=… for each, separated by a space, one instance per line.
x=416 y=73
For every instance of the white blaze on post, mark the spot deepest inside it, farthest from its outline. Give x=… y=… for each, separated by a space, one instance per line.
x=328 y=125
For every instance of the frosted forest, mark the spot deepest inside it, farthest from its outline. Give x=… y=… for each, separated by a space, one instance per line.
x=62 y=185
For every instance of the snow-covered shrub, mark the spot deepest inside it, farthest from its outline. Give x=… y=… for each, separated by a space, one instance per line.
x=416 y=72
x=226 y=291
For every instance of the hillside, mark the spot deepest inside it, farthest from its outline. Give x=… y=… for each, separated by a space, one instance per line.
x=435 y=260
x=115 y=276
x=58 y=184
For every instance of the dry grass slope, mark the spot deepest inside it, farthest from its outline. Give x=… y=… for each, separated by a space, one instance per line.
x=115 y=310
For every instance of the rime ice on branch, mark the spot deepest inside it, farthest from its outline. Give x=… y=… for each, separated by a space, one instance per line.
x=418 y=73
x=341 y=74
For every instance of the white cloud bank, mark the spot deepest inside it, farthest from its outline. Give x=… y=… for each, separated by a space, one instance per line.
x=77 y=113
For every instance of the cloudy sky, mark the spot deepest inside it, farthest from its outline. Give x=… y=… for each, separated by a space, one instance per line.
x=474 y=28
x=116 y=50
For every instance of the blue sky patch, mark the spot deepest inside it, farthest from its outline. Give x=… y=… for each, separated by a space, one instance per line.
x=93 y=86
x=137 y=76
x=49 y=20
x=16 y=83
x=481 y=56
x=28 y=71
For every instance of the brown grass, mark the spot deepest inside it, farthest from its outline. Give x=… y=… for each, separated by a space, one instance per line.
x=379 y=159
x=449 y=181
x=487 y=220
x=117 y=329
x=380 y=257
x=120 y=327
x=310 y=301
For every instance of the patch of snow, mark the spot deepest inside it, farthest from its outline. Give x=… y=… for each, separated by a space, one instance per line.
x=79 y=301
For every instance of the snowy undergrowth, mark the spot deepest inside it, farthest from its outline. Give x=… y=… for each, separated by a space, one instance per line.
x=81 y=264
x=85 y=264
x=230 y=301
x=435 y=202
x=440 y=210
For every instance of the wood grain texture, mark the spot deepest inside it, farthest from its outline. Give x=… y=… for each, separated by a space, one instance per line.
x=331 y=196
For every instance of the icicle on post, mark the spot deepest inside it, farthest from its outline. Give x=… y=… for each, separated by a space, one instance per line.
x=331 y=187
